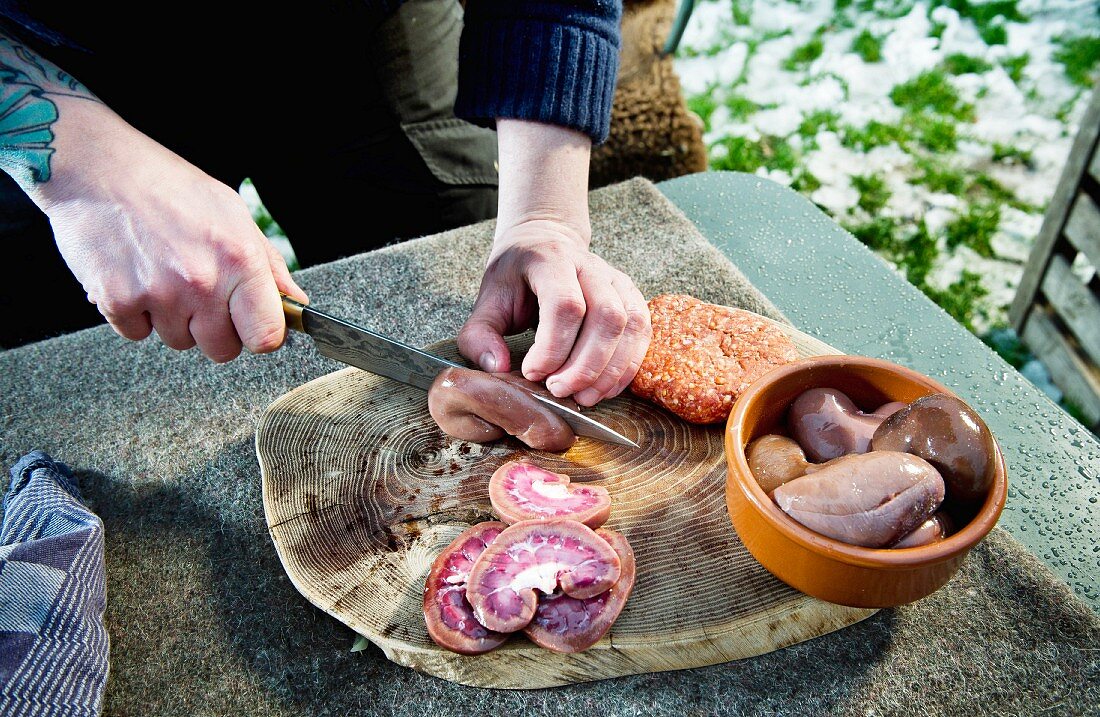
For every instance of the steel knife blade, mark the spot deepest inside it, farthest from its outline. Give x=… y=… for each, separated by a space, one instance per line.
x=371 y=351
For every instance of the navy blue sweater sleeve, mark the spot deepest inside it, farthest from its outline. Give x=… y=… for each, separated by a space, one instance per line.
x=541 y=60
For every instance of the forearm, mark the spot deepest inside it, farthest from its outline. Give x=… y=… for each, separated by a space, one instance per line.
x=543 y=177
x=156 y=243
x=36 y=94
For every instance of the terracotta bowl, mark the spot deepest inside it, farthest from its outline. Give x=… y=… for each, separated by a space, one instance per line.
x=813 y=563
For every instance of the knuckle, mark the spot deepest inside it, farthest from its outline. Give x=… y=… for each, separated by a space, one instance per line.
x=200 y=282
x=237 y=259
x=627 y=375
x=611 y=318
x=637 y=321
x=570 y=308
x=122 y=305
x=584 y=376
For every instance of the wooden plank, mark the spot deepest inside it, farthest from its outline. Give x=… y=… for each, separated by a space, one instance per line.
x=1076 y=304
x=1080 y=156
x=1094 y=168
x=1079 y=381
x=1083 y=228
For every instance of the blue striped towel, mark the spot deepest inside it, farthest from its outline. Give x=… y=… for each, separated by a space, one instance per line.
x=53 y=644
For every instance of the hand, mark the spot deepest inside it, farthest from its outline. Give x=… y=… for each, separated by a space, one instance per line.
x=593 y=323
x=159 y=245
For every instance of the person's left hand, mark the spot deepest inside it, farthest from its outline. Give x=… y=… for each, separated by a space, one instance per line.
x=593 y=325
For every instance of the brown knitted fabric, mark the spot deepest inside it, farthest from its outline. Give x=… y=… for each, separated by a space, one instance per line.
x=653 y=134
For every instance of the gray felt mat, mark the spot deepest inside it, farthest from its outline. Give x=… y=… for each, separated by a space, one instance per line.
x=203 y=620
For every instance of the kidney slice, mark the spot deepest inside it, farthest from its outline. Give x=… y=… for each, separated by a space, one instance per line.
x=524 y=491
x=568 y=624
x=447 y=613
x=538 y=556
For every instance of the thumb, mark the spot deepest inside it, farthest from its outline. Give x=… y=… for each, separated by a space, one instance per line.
x=279 y=270
x=481 y=338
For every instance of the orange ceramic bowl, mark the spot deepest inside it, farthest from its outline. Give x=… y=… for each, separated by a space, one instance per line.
x=813 y=563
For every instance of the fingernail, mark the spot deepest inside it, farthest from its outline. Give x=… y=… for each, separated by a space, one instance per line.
x=488 y=362
x=555 y=387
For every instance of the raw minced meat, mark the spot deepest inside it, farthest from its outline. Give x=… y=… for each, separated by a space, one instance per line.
x=703 y=356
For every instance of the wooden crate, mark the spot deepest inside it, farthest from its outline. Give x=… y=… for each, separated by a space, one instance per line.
x=1056 y=313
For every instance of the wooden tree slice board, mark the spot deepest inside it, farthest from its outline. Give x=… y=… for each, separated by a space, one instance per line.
x=362 y=490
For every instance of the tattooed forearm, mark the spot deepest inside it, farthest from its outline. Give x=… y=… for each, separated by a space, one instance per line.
x=27 y=112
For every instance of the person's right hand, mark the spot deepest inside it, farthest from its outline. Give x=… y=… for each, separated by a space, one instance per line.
x=157 y=244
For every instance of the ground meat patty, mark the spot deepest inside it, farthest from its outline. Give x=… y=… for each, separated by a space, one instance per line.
x=703 y=356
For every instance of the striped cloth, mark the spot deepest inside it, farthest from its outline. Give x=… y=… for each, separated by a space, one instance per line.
x=53 y=644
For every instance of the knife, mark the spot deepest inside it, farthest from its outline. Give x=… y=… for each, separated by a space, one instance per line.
x=356 y=346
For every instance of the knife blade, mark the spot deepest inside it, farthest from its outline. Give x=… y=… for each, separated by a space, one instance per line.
x=371 y=351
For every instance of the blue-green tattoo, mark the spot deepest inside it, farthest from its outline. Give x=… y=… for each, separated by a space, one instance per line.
x=27 y=113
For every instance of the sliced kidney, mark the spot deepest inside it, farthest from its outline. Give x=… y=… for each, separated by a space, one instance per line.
x=449 y=617
x=538 y=556
x=568 y=624
x=869 y=499
x=523 y=491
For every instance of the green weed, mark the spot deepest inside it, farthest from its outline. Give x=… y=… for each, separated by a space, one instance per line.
x=962 y=300
x=1015 y=65
x=1079 y=56
x=974 y=187
x=939 y=177
x=960 y=64
x=879 y=235
x=873 y=193
x=988 y=17
x=1012 y=155
x=975 y=228
x=803 y=55
x=703 y=105
x=745 y=155
x=817 y=121
x=868 y=46
x=805 y=183
x=918 y=255
x=740 y=107
x=1074 y=410
x=937 y=135
x=983 y=187
x=742 y=12
x=914 y=255
x=873 y=134
x=890 y=9
x=931 y=91
x=1062 y=113
x=994 y=34
x=984 y=13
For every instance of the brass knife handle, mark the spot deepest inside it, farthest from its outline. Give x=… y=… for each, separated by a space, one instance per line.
x=292 y=309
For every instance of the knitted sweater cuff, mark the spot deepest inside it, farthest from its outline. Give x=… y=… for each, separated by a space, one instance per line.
x=536 y=70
